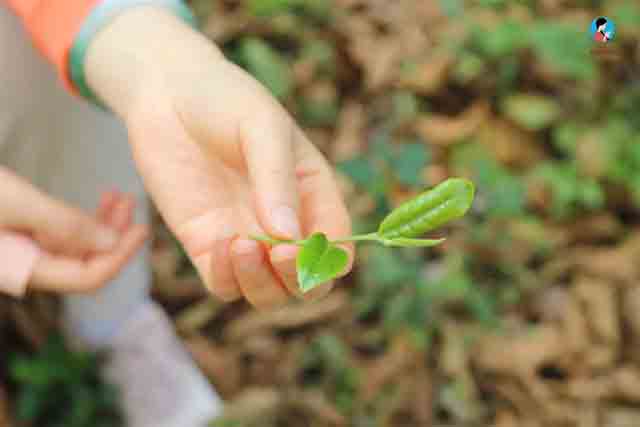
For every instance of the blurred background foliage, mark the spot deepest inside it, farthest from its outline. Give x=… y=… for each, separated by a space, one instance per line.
x=528 y=314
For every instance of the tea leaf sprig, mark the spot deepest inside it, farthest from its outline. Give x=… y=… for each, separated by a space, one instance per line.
x=321 y=260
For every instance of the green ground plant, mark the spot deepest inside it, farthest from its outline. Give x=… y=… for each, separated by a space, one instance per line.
x=58 y=387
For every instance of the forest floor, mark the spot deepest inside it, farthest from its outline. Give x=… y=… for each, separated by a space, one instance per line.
x=528 y=315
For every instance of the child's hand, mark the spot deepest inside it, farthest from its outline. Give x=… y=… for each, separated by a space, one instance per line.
x=221 y=158
x=78 y=252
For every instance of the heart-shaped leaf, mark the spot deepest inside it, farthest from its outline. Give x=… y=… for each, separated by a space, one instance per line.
x=413 y=243
x=319 y=261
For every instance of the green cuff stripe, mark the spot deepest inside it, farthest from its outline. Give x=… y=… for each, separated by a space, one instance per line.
x=99 y=18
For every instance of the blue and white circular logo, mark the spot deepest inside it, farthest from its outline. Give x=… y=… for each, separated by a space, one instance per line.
x=603 y=30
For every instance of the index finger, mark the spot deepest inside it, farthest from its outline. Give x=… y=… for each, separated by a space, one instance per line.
x=321 y=209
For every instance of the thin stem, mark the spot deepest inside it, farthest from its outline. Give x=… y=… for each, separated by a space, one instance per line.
x=274 y=241
x=371 y=236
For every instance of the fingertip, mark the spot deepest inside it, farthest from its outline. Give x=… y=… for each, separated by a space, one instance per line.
x=122 y=213
x=283 y=259
x=106 y=203
x=284 y=222
x=351 y=253
x=255 y=276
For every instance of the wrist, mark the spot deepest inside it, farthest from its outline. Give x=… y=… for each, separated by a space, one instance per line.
x=136 y=51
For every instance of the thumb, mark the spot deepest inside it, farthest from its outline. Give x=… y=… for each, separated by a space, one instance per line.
x=268 y=149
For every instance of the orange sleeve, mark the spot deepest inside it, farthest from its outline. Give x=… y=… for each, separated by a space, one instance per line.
x=53 y=25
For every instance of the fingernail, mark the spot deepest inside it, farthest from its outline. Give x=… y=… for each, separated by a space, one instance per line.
x=285 y=222
x=106 y=239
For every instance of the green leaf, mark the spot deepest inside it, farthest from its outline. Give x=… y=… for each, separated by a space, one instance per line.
x=61 y=388
x=570 y=190
x=317 y=113
x=322 y=54
x=409 y=162
x=500 y=193
x=563 y=48
x=505 y=39
x=29 y=404
x=381 y=148
x=363 y=173
x=468 y=67
x=359 y=170
x=270 y=7
x=451 y=8
x=483 y=307
x=565 y=136
x=387 y=267
x=405 y=106
x=319 y=261
x=447 y=201
x=267 y=65
x=413 y=243
x=533 y=112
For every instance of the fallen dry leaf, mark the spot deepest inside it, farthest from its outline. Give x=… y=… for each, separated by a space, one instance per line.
x=575 y=331
x=631 y=311
x=255 y=406
x=5 y=417
x=221 y=365
x=428 y=76
x=510 y=144
x=617 y=263
x=197 y=315
x=528 y=349
x=594 y=228
x=506 y=418
x=29 y=327
x=292 y=316
x=350 y=134
x=384 y=369
x=591 y=154
x=599 y=299
x=180 y=290
x=439 y=129
x=318 y=406
x=625 y=384
x=620 y=416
